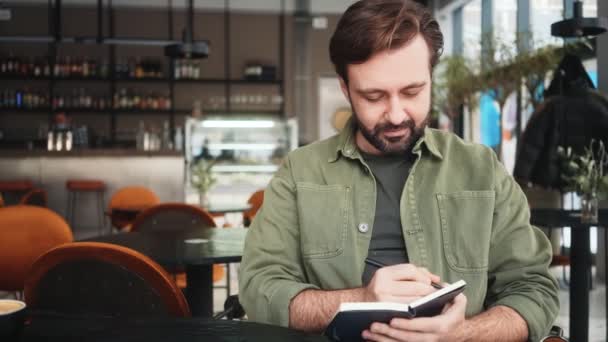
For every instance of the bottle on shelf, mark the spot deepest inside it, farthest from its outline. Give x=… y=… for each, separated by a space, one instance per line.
x=140 y=135
x=177 y=69
x=179 y=139
x=104 y=69
x=166 y=142
x=68 y=141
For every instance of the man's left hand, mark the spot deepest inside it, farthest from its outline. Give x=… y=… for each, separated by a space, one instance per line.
x=444 y=327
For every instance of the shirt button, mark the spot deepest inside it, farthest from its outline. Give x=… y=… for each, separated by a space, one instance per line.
x=363 y=227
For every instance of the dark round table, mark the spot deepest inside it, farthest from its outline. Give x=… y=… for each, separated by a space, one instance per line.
x=51 y=327
x=195 y=249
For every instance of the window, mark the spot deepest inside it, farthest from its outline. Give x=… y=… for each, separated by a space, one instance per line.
x=471 y=29
x=543 y=14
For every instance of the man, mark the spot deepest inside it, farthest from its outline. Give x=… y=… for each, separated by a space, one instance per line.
x=390 y=189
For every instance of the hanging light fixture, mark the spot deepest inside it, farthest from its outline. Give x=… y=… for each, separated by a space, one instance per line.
x=578 y=26
x=188 y=48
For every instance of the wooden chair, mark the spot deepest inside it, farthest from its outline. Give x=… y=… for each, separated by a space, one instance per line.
x=104 y=279
x=37 y=197
x=256 y=200
x=27 y=232
x=178 y=216
x=127 y=202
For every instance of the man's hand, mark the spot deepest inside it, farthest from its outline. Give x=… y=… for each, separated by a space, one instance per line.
x=312 y=310
x=401 y=283
x=448 y=326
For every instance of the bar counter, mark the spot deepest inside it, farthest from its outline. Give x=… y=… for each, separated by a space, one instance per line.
x=161 y=171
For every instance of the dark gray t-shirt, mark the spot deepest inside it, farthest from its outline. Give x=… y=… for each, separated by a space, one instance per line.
x=387 y=245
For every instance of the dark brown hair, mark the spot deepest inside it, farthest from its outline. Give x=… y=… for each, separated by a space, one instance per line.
x=371 y=26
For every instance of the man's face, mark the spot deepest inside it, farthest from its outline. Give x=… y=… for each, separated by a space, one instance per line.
x=390 y=95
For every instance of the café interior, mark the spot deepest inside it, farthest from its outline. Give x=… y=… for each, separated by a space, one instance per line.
x=137 y=138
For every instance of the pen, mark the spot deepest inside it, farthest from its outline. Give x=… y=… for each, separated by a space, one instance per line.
x=377 y=264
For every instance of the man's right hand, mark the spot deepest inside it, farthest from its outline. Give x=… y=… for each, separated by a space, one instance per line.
x=401 y=283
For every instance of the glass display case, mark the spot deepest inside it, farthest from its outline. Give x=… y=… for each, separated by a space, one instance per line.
x=245 y=152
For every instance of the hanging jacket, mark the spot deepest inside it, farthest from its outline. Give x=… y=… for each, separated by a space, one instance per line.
x=572 y=115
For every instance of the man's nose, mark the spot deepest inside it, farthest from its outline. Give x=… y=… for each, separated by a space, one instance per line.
x=396 y=113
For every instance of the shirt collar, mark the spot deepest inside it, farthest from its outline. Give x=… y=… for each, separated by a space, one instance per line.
x=347 y=146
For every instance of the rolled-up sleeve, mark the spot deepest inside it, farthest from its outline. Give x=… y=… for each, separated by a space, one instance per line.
x=271 y=273
x=519 y=275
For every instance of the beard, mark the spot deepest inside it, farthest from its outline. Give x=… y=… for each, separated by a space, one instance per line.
x=392 y=145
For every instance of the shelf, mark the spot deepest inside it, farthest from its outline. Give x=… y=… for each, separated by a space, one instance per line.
x=85 y=110
x=245 y=146
x=136 y=111
x=245 y=168
x=143 y=80
x=21 y=78
x=143 y=111
x=24 y=110
x=224 y=81
x=239 y=111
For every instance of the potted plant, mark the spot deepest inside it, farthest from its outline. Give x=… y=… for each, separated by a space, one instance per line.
x=202 y=179
x=586 y=175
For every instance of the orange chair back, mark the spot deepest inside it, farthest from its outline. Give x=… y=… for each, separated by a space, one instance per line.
x=27 y=232
x=256 y=200
x=171 y=216
x=130 y=198
x=101 y=278
x=133 y=197
x=37 y=197
x=1 y=201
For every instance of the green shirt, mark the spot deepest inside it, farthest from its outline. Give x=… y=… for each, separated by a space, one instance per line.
x=387 y=244
x=464 y=218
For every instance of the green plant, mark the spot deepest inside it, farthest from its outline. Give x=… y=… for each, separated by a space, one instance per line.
x=201 y=176
x=585 y=174
x=454 y=86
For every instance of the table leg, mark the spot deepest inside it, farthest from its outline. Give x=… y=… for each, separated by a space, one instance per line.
x=199 y=290
x=579 y=284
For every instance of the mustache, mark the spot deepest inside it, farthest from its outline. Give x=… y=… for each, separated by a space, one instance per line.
x=387 y=126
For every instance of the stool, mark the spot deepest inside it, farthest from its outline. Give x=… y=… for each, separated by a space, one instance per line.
x=14 y=187
x=75 y=187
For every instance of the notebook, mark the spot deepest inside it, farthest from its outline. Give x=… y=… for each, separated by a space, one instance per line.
x=352 y=318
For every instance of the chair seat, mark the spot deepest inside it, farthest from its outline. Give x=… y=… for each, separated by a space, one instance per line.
x=85 y=185
x=16 y=185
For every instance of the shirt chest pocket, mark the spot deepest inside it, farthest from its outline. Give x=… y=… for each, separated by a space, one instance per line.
x=323 y=218
x=466 y=228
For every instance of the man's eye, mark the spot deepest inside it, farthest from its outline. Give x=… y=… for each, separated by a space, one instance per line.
x=411 y=93
x=373 y=98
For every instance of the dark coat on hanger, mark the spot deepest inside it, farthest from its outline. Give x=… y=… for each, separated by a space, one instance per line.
x=572 y=114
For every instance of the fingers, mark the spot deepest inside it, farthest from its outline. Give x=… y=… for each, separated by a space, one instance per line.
x=409 y=272
x=369 y=336
x=382 y=332
x=452 y=316
x=402 y=283
x=409 y=289
x=434 y=278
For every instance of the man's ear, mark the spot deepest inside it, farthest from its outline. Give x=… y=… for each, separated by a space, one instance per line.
x=344 y=88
